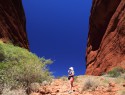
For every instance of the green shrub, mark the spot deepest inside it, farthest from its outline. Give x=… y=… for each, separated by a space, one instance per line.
x=19 y=67
x=115 y=72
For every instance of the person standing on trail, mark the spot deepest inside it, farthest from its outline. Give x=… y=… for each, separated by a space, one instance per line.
x=71 y=77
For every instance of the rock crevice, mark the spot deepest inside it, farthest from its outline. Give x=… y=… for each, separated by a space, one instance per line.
x=106 y=38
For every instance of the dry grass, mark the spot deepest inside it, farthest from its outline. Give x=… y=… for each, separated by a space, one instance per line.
x=64 y=78
x=8 y=91
x=121 y=92
x=90 y=84
x=34 y=87
x=119 y=80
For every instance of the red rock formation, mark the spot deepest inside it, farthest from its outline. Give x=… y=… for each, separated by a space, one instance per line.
x=106 y=38
x=12 y=23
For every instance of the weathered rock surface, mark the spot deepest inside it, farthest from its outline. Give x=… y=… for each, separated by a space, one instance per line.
x=106 y=38
x=13 y=23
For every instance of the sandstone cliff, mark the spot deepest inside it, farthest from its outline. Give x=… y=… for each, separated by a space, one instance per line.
x=12 y=23
x=106 y=38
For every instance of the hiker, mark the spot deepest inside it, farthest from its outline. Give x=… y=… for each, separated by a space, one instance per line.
x=71 y=77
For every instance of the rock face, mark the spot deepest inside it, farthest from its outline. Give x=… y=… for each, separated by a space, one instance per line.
x=106 y=38
x=13 y=23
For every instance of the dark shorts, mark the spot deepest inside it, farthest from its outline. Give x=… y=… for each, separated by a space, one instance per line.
x=69 y=77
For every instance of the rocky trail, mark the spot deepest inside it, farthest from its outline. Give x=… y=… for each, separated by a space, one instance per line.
x=83 y=87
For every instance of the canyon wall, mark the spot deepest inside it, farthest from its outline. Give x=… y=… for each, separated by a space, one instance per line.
x=106 y=38
x=13 y=23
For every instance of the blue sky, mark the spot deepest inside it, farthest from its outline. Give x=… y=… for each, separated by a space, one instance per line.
x=58 y=30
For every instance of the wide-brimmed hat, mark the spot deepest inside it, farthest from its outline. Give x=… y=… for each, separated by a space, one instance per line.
x=71 y=68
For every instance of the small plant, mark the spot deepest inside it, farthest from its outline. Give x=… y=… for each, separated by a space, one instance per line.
x=44 y=83
x=115 y=72
x=34 y=87
x=90 y=84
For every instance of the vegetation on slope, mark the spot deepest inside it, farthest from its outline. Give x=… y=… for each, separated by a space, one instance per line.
x=19 y=67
